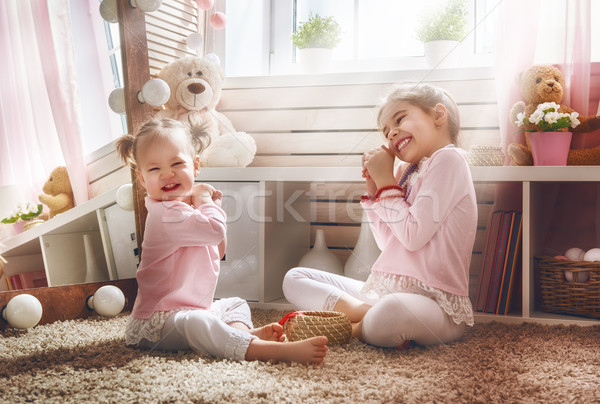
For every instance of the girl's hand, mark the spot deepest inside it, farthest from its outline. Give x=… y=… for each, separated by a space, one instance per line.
x=379 y=164
x=217 y=197
x=203 y=193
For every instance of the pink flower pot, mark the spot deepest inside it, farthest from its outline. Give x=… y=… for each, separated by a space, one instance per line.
x=550 y=148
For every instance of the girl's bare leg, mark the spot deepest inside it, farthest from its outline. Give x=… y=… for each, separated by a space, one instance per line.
x=308 y=351
x=355 y=310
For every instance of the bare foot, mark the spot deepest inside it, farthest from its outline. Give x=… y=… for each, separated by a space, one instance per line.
x=269 y=332
x=308 y=351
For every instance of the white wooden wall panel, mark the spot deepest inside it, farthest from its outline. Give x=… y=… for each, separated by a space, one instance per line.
x=469 y=91
x=326 y=126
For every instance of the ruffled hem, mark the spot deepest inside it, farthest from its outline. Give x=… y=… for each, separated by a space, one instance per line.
x=149 y=329
x=459 y=308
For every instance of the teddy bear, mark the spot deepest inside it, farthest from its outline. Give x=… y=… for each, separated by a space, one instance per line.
x=58 y=194
x=545 y=83
x=196 y=84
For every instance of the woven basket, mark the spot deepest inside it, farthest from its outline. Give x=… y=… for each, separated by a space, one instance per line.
x=485 y=155
x=580 y=296
x=302 y=325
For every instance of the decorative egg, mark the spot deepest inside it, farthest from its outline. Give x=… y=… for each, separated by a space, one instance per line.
x=575 y=254
x=592 y=255
x=581 y=276
x=560 y=257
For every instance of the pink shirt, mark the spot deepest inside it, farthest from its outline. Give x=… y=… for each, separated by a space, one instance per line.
x=430 y=235
x=180 y=258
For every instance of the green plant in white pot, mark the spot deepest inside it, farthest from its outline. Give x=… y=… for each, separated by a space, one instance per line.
x=441 y=33
x=315 y=40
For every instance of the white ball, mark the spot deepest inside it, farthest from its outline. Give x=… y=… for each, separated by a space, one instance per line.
x=592 y=255
x=155 y=92
x=23 y=311
x=108 y=11
x=148 y=6
x=194 y=41
x=108 y=301
x=213 y=57
x=575 y=254
x=124 y=197
x=116 y=100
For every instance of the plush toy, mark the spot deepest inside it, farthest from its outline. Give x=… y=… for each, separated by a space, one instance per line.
x=58 y=194
x=195 y=84
x=545 y=83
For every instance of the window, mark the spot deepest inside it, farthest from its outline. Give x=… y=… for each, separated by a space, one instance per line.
x=378 y=34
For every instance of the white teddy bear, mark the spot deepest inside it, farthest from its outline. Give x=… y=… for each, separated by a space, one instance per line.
x=196 y=84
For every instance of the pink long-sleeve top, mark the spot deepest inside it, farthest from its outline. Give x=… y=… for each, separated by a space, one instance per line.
x=180 y=259
x=430 y=235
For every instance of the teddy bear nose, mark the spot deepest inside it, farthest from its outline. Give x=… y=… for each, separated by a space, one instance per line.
x=196 y=88
x=550 y=85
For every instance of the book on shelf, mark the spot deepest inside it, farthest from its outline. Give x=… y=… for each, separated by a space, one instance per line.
x=501 y=260
x=488 y=259
x=27 y=280
x=513 y=259
x=503 y=236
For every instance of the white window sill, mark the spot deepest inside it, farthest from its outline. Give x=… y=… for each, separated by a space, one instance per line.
x=471 y=73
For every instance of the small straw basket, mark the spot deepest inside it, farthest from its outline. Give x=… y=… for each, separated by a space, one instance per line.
x=576 y=293
x=334 y=325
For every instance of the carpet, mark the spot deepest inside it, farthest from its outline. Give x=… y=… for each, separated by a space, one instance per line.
x=87 y=361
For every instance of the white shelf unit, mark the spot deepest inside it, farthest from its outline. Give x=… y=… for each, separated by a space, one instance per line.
x=530 y=179
x=57 y=246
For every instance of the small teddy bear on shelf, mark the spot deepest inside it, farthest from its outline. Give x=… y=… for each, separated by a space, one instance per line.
x=196 y=84
x=540 y=84
x=58 y=194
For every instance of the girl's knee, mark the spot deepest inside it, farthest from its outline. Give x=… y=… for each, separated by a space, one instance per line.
x=399 y=317
x=289 y=278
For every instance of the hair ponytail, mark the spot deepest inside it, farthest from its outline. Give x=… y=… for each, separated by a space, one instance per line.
x=125 y=146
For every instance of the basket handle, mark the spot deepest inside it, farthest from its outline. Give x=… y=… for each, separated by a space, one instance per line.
x=290 y=315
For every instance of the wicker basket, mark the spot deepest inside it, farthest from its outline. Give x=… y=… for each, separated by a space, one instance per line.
x=302 y=325
x=580 y=296
x=482 y=155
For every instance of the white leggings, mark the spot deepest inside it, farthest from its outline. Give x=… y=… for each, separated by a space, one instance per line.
x=391 y=320
x=208 y=330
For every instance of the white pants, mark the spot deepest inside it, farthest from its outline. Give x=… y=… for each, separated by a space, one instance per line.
x=208 y=330
x=391 y=320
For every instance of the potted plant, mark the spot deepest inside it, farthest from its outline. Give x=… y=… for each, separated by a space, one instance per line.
x=441 y=32
x=315 y=40
x=551 y=139
x=24 y=216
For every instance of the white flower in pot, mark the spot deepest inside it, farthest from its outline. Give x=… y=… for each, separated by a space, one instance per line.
x=315 y=40
x=441 y=32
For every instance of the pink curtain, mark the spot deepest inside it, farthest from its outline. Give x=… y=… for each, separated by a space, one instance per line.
x=526 y=35
x=39 y=114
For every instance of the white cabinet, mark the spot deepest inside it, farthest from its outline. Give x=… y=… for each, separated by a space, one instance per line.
x=537 y=186
x=268 y=226
x=290 y=232
x=56 y=246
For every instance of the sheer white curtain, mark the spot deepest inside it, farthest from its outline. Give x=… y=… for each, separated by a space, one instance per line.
x=542 y=32
x=39 y=107
x=554 y=32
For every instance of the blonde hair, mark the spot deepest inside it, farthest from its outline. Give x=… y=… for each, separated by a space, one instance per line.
x=426 y=97
x=128 y=145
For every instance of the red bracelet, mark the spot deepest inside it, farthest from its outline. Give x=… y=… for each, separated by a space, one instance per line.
x=381 y=198
x=387 y=187
x=367 y=197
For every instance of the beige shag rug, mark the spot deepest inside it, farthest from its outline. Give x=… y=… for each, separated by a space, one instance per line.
x=87 y=361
